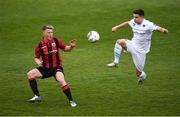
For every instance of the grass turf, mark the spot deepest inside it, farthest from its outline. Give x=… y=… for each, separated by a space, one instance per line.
x=97 y=89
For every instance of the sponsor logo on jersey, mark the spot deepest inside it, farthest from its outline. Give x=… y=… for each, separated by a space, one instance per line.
x=43 y=47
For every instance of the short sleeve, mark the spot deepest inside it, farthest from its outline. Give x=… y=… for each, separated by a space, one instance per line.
x=131 y=22
x=152 y=26
x=61 y=44
x=37 y=51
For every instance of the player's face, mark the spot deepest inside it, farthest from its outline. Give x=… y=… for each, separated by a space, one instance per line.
x=138 y=19
x=48 y=34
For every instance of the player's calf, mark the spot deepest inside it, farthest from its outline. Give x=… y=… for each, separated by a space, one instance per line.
x=32 y=75
x=138 y=73
x=65 y=88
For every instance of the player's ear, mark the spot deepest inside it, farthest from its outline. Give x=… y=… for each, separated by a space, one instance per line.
x=43 y=32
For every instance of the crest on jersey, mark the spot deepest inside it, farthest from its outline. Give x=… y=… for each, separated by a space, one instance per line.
x=143 y=25
x=53 y=44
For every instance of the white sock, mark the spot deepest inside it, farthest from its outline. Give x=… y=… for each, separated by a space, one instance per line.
x=143 y=75
x=117 y=52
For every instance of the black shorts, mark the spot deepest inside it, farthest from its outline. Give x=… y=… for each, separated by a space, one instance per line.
x=48 y=72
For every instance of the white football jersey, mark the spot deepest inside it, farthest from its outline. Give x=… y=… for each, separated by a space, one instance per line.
x=142 y=35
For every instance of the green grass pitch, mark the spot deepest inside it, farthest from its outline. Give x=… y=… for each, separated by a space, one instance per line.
x=97 y=89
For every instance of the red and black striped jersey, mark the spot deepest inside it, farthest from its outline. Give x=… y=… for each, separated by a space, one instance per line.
x=48 y=51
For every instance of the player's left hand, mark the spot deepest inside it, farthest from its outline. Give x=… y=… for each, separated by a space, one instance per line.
x=165 y=31
x=72 y=43
x=114 y=29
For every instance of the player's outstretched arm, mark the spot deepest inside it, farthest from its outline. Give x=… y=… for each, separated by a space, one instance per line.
x=124 y=24
x=71 y=45
x=162 y=30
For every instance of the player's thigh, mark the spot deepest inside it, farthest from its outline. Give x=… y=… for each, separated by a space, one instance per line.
x=122 y=42
x=33 y=74
x=60 y=78
x=129 y=46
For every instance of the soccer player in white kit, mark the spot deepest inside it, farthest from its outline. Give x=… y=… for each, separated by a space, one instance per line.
x=140 y=44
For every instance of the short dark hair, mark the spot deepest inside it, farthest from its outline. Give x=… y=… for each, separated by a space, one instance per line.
x=140 y=12
x=47 y=27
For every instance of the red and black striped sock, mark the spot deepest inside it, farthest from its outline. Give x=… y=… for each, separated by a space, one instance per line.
x=34 y=88
x=67 y=92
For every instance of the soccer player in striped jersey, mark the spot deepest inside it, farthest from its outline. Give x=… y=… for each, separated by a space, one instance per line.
x=140 y=44
x=49 y=63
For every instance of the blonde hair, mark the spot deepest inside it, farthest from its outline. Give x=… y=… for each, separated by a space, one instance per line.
x=47 y=27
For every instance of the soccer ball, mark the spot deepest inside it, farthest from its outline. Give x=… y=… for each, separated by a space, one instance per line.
x=93 y=36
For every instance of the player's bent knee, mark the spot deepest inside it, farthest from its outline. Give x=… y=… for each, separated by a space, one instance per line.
x=118 y=41
x=121 y=42
x=30 y=76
